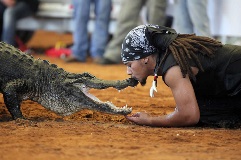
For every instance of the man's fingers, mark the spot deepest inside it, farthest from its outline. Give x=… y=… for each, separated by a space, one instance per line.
x=137 y=114
x=131 y=118
x=134 y=117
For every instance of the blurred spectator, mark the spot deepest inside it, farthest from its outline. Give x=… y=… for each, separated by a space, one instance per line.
x=2 y=8
x=11 y=11
x=224 y=22
x=190 y=16
x=128 y=19
x=100 y=34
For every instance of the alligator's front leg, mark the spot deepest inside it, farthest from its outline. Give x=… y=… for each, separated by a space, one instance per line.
x=13 y=105
x=12 y=100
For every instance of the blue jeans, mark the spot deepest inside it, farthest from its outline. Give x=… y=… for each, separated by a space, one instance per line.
x=100 y=33
x=129 y=18
x=10 y=17
x=191 y=17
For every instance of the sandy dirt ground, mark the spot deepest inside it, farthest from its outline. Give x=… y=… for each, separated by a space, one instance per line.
x=91 y=135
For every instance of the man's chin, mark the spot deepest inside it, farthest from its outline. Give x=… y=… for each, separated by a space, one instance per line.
x=143 y=82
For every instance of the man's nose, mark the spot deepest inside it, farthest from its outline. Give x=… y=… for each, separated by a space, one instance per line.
x=129 y=71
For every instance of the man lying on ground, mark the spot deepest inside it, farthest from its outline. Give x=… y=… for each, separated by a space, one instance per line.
x=203 y=75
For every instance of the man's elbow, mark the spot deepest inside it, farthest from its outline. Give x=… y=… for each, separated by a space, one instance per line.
x=191 y=120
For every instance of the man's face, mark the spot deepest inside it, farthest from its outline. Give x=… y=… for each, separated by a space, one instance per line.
x=138 y=70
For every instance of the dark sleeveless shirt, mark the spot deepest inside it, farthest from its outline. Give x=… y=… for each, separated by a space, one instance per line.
x=222 y=73
x=218 y=88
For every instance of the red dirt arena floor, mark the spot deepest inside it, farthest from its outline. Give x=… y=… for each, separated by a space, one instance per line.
x=91 y=135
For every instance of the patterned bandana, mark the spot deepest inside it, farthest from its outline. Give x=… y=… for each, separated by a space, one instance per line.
x=136 y=45
x=145 y=40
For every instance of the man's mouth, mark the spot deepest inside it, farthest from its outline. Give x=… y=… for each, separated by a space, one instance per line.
x=142 y=82
x=135 y=78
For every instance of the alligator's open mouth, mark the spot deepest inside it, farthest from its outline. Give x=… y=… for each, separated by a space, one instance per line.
x=112 y=108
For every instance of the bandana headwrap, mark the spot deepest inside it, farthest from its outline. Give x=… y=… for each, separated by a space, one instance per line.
x=136 y=45
x=145 y=40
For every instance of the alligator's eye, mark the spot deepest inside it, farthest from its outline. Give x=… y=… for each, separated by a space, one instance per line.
x=84 y=88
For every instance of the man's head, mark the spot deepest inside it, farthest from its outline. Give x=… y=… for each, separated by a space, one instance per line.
x=135 y=53
x=141 y=47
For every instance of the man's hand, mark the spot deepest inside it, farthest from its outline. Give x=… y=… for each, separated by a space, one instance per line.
x=9 y=3
x=140 y=118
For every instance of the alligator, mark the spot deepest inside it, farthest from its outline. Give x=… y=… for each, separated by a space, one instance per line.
x=23 y=77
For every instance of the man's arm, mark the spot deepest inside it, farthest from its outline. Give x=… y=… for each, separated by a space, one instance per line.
x=187 y=110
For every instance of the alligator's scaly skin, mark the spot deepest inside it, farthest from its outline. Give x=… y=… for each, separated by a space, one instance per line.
x=22 y=78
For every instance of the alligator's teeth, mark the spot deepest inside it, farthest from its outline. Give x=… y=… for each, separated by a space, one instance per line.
x=109 y=102
x=124 y=107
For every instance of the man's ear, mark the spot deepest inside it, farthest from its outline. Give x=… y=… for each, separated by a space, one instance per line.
x=146 y=59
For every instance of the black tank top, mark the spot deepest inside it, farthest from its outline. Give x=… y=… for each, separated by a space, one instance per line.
x=222 y=73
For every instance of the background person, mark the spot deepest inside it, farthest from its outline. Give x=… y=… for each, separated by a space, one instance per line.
x=128 y=18
x=12 y=11
x=100 y=34
x=191 y=16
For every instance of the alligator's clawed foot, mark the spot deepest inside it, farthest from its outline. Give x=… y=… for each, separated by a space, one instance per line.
x=25 y=122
